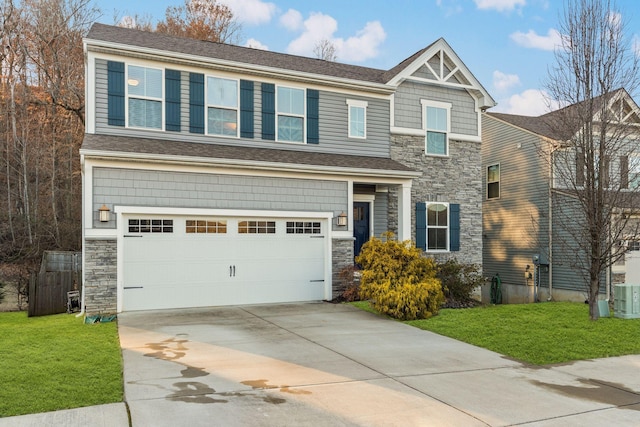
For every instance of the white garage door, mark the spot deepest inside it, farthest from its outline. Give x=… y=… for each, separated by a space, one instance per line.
x=176 y=262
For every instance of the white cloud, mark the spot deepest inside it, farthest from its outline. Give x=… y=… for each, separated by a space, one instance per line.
x=358 y=48
x=449 y=7
x=252 y=12
x=255 y=44
x=291 y=20
x=500 y=5
x=531 y=102
x=503 y=82
x=531 y=39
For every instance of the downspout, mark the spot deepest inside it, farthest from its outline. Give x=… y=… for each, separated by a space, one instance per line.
x=81 y=313
x=550 y=235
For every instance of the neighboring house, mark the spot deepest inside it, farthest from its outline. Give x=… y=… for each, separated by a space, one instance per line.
x=525 y=219
x=218 y=175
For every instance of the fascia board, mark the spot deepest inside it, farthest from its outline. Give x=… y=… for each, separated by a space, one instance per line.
x=238 y=67
x=248 y=164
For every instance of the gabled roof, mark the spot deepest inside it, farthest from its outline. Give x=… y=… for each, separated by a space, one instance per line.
x=231 y=155
x=106 y=36
x=562 y=124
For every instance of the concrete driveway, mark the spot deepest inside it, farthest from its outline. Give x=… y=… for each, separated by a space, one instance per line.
x=334 y=365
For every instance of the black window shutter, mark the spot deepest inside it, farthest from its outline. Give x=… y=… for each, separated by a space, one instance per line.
x=624 y=172
x=172 y=100
x=421 y=226
x=246 y=109
x=268 y=111
x=454 y=227
x=196 y=103
x=313 y=135
x=115 y=93
x=580 y=163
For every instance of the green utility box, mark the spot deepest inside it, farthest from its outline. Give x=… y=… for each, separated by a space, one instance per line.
x=627 y=301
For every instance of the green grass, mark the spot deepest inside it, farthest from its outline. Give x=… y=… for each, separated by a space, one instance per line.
x=57 y=362
x=540 y=334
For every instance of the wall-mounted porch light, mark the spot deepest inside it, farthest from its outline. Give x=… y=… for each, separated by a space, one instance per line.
x=342 y=219
x=104 y=213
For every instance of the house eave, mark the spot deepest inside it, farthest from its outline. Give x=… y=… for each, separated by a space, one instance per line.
x=247 y=164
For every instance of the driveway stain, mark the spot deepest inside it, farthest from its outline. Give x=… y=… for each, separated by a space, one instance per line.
x=598 y=391
x=193 y=392
x=286 y=389
x=170 y=349
x=193 y=372
x=258 y=384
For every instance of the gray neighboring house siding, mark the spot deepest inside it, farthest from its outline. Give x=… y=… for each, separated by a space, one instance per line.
x=130 y=187
x=333 y=113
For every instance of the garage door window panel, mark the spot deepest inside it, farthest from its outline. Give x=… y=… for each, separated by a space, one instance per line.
x=303 y=227
x=150 y=225
x=256 y=227
x=205 y=227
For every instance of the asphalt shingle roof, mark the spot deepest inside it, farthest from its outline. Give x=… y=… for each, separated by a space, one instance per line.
x=233 y=53
x=93 y=144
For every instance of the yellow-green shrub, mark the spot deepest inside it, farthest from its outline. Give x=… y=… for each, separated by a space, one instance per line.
x=398 y=280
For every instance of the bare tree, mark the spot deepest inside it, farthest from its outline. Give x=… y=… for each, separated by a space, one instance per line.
x=326 y=50
x=202 y=20
x=595 y=71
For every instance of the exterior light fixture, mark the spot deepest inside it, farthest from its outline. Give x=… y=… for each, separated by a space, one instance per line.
x=104 y=213
x=342 y=219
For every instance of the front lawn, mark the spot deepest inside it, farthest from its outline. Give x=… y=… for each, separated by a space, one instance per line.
x=57 y=362
x=543 y=333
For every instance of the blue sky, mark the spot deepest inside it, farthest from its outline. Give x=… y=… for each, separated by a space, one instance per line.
x=507 y=44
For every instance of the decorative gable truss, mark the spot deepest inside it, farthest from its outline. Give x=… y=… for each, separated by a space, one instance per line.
x=426 y=79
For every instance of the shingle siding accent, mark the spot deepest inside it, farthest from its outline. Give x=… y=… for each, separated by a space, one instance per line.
x=100 y=277
x=129 y=187
x=454 y=179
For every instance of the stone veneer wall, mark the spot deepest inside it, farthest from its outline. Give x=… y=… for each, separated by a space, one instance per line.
x=100 y=276
x=453 y=179
x=342 y=256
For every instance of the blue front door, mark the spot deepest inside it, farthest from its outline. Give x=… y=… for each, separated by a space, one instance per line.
x=361 y=230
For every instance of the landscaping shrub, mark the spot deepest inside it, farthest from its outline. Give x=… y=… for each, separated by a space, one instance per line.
x=398 y=280
x=458 y=282
x=349 y=277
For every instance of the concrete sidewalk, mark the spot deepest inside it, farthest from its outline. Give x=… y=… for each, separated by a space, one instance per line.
x=334 y=365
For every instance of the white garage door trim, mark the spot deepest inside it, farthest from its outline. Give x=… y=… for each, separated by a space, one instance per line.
x=122 y=211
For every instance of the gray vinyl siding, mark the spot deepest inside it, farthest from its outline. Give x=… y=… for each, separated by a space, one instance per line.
x=333 y=124
x=128 y=187
x=408 y=108
x=515 y=225
x=380 y=214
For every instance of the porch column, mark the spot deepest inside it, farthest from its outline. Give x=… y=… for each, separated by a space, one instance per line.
x=404 y=211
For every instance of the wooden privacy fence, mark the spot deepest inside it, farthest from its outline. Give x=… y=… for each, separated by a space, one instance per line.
x=60 y=272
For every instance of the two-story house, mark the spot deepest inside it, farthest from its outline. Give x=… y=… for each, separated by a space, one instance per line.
x=531 y=214
x=216 y=174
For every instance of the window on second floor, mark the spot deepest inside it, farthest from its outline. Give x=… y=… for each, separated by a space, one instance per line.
x=290 y=109
x=144 y=97
x=357 y=119
x=222 y=106
x=437 y=127
x=493 y=181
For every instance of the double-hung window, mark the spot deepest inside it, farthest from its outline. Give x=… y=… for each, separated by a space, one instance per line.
x=222 y=106
x=437 y=226
x=357 y=119
x=493 y=181
x=290 y=108
x=633 y=172
x=144 y=94
x=437 y=127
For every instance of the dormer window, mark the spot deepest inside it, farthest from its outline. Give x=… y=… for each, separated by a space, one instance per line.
x=437 y=126
x=144 y=93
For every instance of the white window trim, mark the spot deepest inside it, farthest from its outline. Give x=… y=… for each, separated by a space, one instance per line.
x=303 y=116
x=499 y=181
x=357 y=104
x=437 y=104
x=146 y=98
x=207 y=105
x=448 y=227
